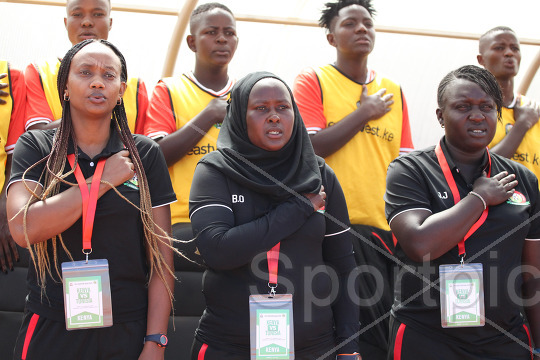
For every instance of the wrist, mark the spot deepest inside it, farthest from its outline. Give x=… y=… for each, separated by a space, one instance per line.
x=477 y=195
x=160 y=340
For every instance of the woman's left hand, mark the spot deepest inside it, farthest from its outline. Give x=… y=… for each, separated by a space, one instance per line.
x=151 y=351
x=317 y=200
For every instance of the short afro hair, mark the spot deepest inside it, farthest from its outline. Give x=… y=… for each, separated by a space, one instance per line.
x=201 y=9
x=332 y=10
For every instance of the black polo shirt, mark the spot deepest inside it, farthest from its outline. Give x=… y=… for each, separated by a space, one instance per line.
x=235 y=227
x=416 y=181
x=118 y=230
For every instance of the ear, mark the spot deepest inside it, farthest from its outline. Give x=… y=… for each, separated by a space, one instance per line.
x=330 y=39
x=439 y=116
x=190 y=39
x=65 y=22
x=110 y=24
x=123 y=88
x=480 y=59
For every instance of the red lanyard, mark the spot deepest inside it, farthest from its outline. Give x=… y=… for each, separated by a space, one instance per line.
x=273 y=259
x=89 y=201
x=455 y=193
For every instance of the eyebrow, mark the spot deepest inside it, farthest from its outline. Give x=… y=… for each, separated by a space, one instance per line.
x=94 y=9
x=108 y=67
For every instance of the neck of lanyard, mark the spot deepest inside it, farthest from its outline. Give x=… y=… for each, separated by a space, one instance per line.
x=455 y=193
x=89 y=199
x=272 y=257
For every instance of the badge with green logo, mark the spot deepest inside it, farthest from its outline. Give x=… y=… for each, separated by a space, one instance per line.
x=87 y=294
x=462 y=295
x=271 y=327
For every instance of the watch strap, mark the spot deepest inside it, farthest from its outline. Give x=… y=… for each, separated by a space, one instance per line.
x=160 y=339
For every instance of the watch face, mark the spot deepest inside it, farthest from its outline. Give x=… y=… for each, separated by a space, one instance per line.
x=163 y=340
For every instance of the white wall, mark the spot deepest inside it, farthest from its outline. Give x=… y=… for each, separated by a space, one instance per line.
x=33 y=32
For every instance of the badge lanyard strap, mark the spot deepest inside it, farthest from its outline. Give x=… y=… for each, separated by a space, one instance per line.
x=455 y=193
x=89 y=199
x=272 y=257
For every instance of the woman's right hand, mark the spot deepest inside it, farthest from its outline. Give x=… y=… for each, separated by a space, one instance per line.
x=118 y=168
x=317 y=200
x=496 y=189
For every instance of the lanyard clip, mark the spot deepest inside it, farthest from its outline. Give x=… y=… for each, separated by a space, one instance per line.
x=272 y=291
x=462 y=259
x=87 y=252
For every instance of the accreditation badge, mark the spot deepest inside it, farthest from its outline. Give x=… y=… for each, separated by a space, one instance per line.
x=87 y=294
x=271 y=327
x=462 y=295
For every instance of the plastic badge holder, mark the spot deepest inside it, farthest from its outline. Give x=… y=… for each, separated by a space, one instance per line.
x=87 y=294
x=271 y=327
x=462 y=295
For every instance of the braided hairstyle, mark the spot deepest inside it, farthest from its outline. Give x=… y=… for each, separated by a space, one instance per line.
x=477 y=75
x=332 y=10
x=54 y=175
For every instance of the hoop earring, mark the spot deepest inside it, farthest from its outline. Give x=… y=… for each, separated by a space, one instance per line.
x=66 y=97
x=119 y=101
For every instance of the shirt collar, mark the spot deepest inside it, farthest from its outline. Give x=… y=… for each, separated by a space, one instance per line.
x=113 y=146
x=452 y=164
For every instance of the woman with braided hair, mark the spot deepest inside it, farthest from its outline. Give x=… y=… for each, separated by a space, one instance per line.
x=132 y=217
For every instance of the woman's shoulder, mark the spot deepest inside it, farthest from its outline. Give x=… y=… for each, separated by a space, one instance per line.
x=145 y=143
x=39 y=139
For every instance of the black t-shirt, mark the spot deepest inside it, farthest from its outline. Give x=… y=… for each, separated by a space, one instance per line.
x=416 y=181
x=118 y=231
x=235 y=227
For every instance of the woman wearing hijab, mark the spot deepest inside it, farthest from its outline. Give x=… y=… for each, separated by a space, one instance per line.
x=468 y=236
x=263 y=187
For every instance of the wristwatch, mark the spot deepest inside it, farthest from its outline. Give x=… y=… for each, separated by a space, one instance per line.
x=160 y=339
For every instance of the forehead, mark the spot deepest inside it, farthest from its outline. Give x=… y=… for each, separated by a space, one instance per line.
x=501 y=37
x=215 y=17
x=88 y=4
x=352 y=11
x=269 y=89
x=97 y=54
x=462 y=88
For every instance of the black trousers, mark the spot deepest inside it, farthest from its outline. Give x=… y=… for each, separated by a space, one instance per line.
x=43 y=339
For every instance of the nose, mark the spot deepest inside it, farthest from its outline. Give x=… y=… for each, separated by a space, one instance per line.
x=274 y=118
x=87 y=22
x=361 y=28
x=477 y=116
x=508 y=52
x=221 y=38
x=97 y=83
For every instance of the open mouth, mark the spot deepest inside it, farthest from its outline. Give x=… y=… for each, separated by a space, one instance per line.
x=274 y=133
x=478 y=132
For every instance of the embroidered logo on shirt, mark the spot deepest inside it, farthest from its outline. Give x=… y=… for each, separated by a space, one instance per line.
x=218 y=125
x=133 y=183
x=518 y=199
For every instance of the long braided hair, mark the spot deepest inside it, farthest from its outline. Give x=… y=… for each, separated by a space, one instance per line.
x=54 y=176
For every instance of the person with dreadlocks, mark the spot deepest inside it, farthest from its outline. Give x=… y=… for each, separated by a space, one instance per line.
x=468 y=236
x=358 y=121
x=85 y=19
x=132 y=216
x=264 y=190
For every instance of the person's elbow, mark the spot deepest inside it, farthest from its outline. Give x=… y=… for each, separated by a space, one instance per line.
x=18 y=233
